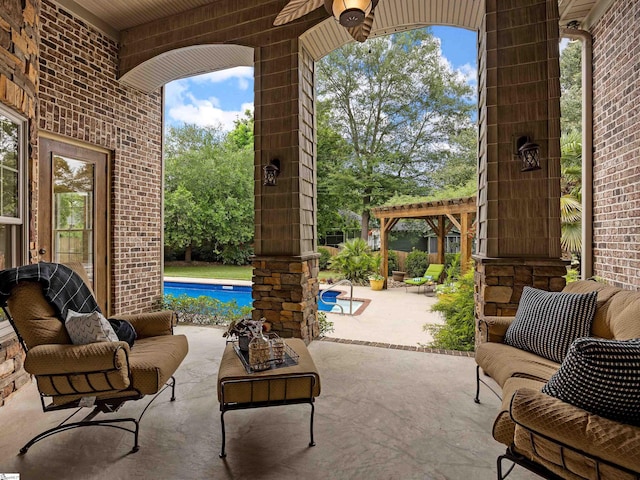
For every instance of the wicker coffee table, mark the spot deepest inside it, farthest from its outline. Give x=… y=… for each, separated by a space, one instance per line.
x=288 y=385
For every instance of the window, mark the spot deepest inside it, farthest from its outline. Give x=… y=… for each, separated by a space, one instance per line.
x=13 y=148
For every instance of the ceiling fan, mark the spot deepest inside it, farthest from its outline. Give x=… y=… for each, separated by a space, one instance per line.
x=355 y=15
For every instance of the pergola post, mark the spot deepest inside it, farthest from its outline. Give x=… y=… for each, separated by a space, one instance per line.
x=465 y=242
x=386 y=225
x=441 y=234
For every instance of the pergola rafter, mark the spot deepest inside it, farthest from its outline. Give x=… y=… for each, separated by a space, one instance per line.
x=440 y=215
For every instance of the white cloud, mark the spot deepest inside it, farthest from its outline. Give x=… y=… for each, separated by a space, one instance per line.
x=469 y=74
x=207 y=113
x=182 y=105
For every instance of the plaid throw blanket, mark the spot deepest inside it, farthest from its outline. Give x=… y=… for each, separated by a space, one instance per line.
x=62 y=287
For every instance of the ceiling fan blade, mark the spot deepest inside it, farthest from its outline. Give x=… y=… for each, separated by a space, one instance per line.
x=362 y=32
x=296 y=9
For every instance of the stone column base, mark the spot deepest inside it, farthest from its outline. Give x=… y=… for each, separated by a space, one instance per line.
x=12 y=375
x=285 y=293
x=500 y=281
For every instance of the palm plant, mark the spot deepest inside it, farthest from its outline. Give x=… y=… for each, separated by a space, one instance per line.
x=355 y=261
x=571 y=199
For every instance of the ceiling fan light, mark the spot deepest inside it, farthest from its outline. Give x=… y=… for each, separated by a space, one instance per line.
x=351 y=13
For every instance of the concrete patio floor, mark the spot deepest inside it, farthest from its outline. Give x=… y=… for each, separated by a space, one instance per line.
x=382 y=414
x=395 y=316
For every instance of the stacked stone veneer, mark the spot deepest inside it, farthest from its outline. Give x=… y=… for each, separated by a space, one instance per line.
x=616 y=158
x=499 y=283
x=19 y=40
x=81 y=99
x=12 y=375
x=285 y=293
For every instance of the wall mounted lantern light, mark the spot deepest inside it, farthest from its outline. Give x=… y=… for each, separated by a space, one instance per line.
x=350 y=13
x=271 y=173
x=528 y=153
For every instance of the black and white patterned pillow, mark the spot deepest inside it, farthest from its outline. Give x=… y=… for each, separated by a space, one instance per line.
x=547 y=323
x=601 y=377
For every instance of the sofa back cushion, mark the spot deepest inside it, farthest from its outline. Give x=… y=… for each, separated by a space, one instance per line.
x=547 y=323
x=606 y=293
x=623 y=315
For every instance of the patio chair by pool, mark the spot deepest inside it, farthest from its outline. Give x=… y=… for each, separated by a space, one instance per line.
x=431 y=275
x=87 y=361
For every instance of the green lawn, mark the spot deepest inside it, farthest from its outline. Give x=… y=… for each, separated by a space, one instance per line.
x=226 y=272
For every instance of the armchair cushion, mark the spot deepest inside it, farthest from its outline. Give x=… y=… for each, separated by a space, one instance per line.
x=547 y=323
x=151 y=324
x=601 y=377
x=91 y=327
x=68 y=369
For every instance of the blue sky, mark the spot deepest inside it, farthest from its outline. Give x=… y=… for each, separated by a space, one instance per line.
x=219 y=98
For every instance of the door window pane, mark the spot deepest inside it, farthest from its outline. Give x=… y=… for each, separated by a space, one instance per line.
x=73 y=197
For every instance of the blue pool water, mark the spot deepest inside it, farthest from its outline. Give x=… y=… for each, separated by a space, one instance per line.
x=242 y=294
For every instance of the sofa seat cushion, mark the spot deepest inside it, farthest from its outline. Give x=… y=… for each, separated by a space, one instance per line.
x=154 y=360
x=601 y=377
x=503 y=426
x=547 y=323
x=502 y=362
x=554 y=422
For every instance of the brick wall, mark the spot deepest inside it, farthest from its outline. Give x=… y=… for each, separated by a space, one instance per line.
x=80 y=98
x=616 y=170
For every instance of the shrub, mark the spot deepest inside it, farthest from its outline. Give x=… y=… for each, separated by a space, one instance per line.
x=355 y=262
x=325 y=325
x=417 y=263
x=325 y=257
x=393 y=261
x=452 y=269
x=456 y=303
x=204 y=310
x=572 y=275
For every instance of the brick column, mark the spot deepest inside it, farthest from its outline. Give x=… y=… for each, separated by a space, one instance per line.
x=518 y=228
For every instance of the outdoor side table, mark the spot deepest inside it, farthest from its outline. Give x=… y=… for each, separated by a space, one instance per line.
x=289 y=385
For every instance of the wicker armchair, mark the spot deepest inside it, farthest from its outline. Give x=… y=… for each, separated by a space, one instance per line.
x=103 y=375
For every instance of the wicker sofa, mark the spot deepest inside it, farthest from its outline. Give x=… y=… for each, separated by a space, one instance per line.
x=544 y=434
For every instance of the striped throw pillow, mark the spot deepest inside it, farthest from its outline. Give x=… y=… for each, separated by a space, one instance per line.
x=601 y=377
x=547 y=323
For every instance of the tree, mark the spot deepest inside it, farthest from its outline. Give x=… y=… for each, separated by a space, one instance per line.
x=209 y=192
x=571 y=88
x=400 y=110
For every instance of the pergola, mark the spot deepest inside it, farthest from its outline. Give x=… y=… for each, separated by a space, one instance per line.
x=440 y=215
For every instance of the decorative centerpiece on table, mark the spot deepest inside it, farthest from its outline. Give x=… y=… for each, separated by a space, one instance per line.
x=245 y=330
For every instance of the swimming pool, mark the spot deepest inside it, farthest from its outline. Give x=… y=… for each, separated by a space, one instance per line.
x=242 y=295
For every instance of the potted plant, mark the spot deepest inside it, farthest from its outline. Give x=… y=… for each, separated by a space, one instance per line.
x=376 y=281
x=244 y=329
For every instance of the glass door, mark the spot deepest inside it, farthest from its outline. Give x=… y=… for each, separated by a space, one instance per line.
x=72 y=224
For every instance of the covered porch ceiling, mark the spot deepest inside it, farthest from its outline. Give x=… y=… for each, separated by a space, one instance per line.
x=114 y=16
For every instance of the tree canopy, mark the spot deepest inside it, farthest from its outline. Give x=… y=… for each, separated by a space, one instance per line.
x=209 y=191
x=392 y=114
x=571 y=88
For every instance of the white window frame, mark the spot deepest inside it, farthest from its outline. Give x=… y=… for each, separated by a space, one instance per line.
x=18 y=255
